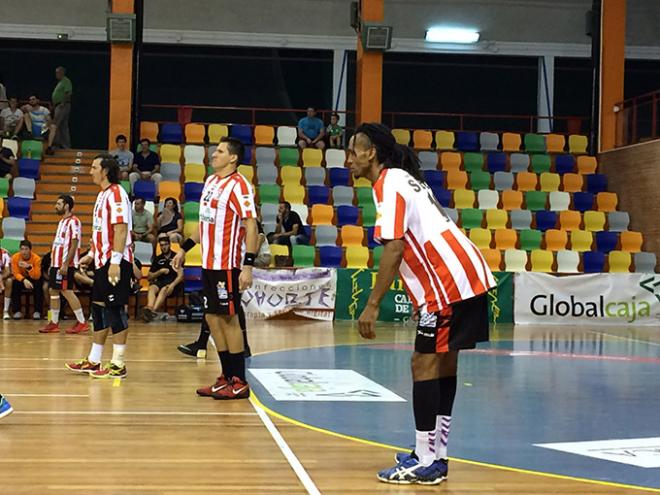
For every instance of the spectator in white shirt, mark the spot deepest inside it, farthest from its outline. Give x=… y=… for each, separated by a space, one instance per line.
x=11 y=119
x=123 y=155
x=39 y=122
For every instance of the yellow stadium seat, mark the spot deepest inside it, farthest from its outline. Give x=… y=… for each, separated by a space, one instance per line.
x=264 y=135
x=450 y=160
x=352 y=235
x=555 y=143
x=526 y=181
x=464 y=198
x=277 y=250
x=481 y=238
x=577 y=144
x=497 y=219
x=361 y=182
x=149 y=130
x=572 y=182
x=291 y=176
x=587 y=165
x=357 y=257
x=581 y=240
x=312 y=157
x=515 y=260
x=606 y=201
x=542 y=260
x=170 y=153
x=556 y=240
x=444 y=140
x=512 y=200
x=594 y=221
x=422 y=140
x=195 y=133
x=322 y=214
x=189 y=228
x=194 y=256
x=457 y=179
x=619 y=261
x=169 y=189
x=293 y=193
x=217 y=132
x=402 y=136
x=631 y=241
x=511 y=141
x=506 y=239
x=493 y=258
x=194 y=172
x=570 y=220
x=247 y=171
x=549 y=182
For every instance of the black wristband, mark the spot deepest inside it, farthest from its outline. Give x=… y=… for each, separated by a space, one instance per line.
x=249 y=259
x=188 y=244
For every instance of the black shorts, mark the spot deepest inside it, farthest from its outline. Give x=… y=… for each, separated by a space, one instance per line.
x=58 y=282
x=456 y=327
x=220 y=291
x=162 y=282
x=112 y=295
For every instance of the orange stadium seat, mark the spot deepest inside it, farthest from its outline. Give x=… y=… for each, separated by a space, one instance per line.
x=322 y=214
x=450 y=160
x=195 y=133
x=494 y=259
x=511 y=141
x=572 y=182
x=512 y=200
x=264 y=135
x=555 y=143
x=149 y=130
x=422 y=140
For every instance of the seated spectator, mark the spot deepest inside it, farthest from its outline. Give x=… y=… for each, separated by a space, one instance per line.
x=311 y=131
x=290 y=228
x=143 y=223
x=163 y=279
x=11 y=119
x=146 y=165
x=123 y=155
x=263 y=248
x=136 y=276
x=170 y=221
x=26 y=267
x=84 y=276
x=335 y=132
x=39 y=123
x=7 y=163
x=5 y=280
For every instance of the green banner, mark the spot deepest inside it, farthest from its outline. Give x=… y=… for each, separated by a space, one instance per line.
x=354 y=287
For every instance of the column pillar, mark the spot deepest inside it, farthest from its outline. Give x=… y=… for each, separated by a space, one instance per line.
x=369 y=91
x=121 y=81
x=546 y=93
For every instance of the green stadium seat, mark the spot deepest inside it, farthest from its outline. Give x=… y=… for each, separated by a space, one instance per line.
x=377 y=254
x=269 y=193
x=364 y=196
x=191 y=211
x=369 y=215
x=11 y=245
x=530 y=239
x=4 y=187
x=540 y=164
x=535 y=200
x=473 y=161
x=471 y=218
x=32 y=149
x=126 y=184
x=303 y=255
x=479 y=180
x=534 y=143
x=289 y=157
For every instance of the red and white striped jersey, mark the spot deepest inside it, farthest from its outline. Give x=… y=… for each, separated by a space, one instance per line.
x=67 y=230
x=440 y=264
x=224 y=203
x=5 y=260
x=112 y=207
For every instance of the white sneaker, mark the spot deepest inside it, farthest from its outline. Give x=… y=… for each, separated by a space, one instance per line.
x=5 y=316
x=18 y=315
x=36 y=315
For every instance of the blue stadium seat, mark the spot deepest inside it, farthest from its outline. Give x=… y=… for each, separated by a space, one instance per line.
x=596 y=183
x=318 y=195
x=171 y=133
x=330 y=256
x=593 y=262
x=371 y=243
x=496 y=162
x=339 y=177
x=467 y=141
x=583 y=201
x=442 y=195
x=145 y=189
x=19 y=207
x=564 y=164
x=545 y=220
x=241 y=132
x=247 y=156
x=606 y=241
x=28 y=168
x=347 y=215
x=192 y=279
x=192 y=191
x=307 y=229
x=434 y=178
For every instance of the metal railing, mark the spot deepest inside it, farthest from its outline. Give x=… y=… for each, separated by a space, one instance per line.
x=637 y=119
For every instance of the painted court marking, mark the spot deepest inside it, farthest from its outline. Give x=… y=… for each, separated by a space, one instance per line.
x=46 y=395
x=640 y=452
x=137 y=413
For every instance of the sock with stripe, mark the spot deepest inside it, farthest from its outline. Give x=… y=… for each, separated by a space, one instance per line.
x=447 y=394
x=55 y=315
x=425 y=405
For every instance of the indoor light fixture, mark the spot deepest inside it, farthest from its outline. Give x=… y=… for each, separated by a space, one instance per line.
x=451 y=35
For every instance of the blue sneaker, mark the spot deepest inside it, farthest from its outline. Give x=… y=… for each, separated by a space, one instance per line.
x=400 y=457
x=411 y=471
x=5 y=408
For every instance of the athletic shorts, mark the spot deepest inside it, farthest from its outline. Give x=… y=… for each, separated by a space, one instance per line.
x=112 y=295
x=162 y=282
x=58 y=282
x=220 y=291
x=456 y=327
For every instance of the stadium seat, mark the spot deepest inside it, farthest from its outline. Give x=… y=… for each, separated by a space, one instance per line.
x=192 y=154
x=10 y=144
x=493 y=258
x=519 y=162
x=371 y=242
x=12 y=246
x=145 y=189
x=618 y=221
x=143 y=251
x=189 y=228
x=606 y=241
x=171 y=133
x=194 y=172
x=289 y=157
x=4 y=187
x=630 y=241
x=526 y=181
x=369 y=214
x=572 y=182
x=361 y=182
x=303 y=256
x=559 y=201
x=377 y=255
x=241 y=132
x=322 y=214
x=593 y=261
x=193 y=257
x=606 y=201
x=583 y=201
x=278 y=250
x=217 y=132
x=512 y=200
x=619 y=261
x=339 y=177
x=351 y=235
x=581 y=240
x=264 y=135
x=496 y=162
x=315 y=176
x=511 y=142
x=452 y=213
x=330 y=256
x=549 y=182
x=556 y=240
x=506 y=239
x=515 y=260
x=28 y=168
x=312 y=157
x=265 y=155
x=645 y=262
x=535 y=200
x=402 y=136
x=568 y=261
x=546 y=220
x=520 y=219
x=479 y=179
x=247 y=171
x=530 y=239
x=32 y=149
x=467 y=141
x=534 y=143
x=442 y=195
x=169 y=189
x=471 y=218
x=24 y=188
x=555 y=143
x=342 y=195
x=125 y=184
x=347 y=215
x=542 y=260
x=587 y=165
x=170 y=153
x=489 y=141
x=192 y=279
x=450 y=160
x=594 y=221
x=596 y=183
x=473 y=162
x=269 y=193
x=171 y=171
x=444 y=140
x=195 y=133
x=577 y=144
x=287 y=136
x=464 y=198
x=564 y=164
x=293 y=193
x=290 y=176
x=428 y=160
x=268 y=173
x=149 y=130
x=496 y=219
x=456 y=179
x=488 y=199
x=364 y=196
x=357 y=257
x=434 y=178
x=318 y=195
x=480 y=237
x=541 y=163
x=191 y=211
x=269 y=212
x=422 y=140
x=13 y=228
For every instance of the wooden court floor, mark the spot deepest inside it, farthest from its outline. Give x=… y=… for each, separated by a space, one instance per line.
x=153 y=435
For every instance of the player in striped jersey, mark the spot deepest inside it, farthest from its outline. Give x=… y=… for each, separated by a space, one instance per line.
x=5 y=281
x=64 y=260
x=112 y=256
x=227 y=227
x=445 y=276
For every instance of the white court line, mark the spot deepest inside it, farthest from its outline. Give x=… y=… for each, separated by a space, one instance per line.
x=137 y=413
x=34 y=369
x=45 y=395
x=624 y=337
x=286 y=450
x=63 y=360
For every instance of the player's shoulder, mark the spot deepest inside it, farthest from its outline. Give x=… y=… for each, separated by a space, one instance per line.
x=241 y=183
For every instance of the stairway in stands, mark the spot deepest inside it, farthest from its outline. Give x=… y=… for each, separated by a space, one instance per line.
x=65 y=172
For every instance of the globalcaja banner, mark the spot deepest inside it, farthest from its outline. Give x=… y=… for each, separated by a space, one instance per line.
x=308 y=292
x=593 y=299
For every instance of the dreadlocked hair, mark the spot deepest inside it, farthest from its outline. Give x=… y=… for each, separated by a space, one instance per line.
x=389 y=152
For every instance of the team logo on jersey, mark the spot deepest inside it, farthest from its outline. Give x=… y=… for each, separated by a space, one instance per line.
x=428 y=320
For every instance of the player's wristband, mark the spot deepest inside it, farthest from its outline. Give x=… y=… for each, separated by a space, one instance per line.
x=188 y=244
x=249 y=259
x=116 y=257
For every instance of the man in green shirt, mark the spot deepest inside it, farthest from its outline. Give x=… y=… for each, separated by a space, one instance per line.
x=62 y=107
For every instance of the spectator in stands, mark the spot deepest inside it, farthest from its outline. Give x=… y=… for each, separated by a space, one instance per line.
x=3 y=93
x=26 y=267
x=136 y=276
x=263 y=248
x=146 y=164
x=7 y=162
x=170 y=221
x=123 y=155
x=61 y=100
x=5 y=280
x=84 y=277
x=311 y=131
x=290 y=228
x=11 y=119
x=38 y=122
x=163 y=279
x=143 y=223
x=335 y=132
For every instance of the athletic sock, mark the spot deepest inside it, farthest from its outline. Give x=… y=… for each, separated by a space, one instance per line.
x=238 y=365
x=204 y=334
x=7 y=303
x=425 y=406
x=225 y=363
x=447 y=394
x=55 y=316
x=80 y=316
x=96 y=353
x=118 y=351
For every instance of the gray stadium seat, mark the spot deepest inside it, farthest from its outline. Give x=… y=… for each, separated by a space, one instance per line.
x=428 y=160
x=567 y=261
x=267 y=173
x=645 y=262
x=13 y=228
x=23 y=188
x=193 y=153
x=144 y=252
x=326 y=235
x=315 y=176
x=342 y=195
x=519 y=162
x=269 y=227
x=489 y=141
x=287 y=136
x=520 y=219
x=559 y=201
x=488 y=199
x=269 y=212
x=170 y=171
x=503 y=181
x=335 y=158
x=452 y=213
x=302 y=211
x=618 y=221
x=265 y=155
